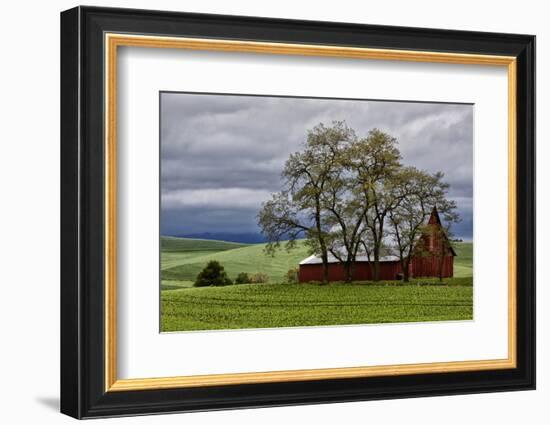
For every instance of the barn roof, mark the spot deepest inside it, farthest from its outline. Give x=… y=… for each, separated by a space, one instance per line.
x=314 y=259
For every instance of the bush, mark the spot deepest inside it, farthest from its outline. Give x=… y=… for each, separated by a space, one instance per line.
x=213 y=275
x=292 y=275
x=259 y=278
x=242 y=278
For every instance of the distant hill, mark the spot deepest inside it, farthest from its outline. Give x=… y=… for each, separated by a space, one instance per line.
x=175 y=244
x=464 y=259
x=247 y=238
x=184 y=266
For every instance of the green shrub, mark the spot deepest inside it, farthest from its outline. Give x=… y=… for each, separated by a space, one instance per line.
x=292 y=275
x=213 y=275
x=242 y=278
x=259 y=278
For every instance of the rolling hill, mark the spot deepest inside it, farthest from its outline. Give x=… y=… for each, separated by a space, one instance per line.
x=463 y=264
x=245 y=238
x=247 y=258
x=174 y=244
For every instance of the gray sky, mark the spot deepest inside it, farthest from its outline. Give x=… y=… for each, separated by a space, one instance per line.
x=222 y=155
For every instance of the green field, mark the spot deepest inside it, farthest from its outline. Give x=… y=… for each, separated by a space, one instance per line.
x=277 y=304
x=283 y=305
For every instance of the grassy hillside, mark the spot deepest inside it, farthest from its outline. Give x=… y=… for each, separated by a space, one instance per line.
x=248 y=258
x=463 y=264
x=284 y=305
x=173 y=244
x=178 y=251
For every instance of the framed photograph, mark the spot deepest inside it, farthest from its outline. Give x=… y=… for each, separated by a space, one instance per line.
x=261 y=212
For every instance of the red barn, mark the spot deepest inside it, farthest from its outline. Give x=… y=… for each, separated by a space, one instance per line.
x=432 y=254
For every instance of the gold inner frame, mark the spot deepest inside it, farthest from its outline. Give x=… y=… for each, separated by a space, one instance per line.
x=113 y=41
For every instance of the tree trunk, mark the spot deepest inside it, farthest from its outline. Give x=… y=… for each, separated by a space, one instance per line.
x=324 y=257
x=406 y=273
x=371 y=266
x=352 y=268
x=348 y=271
x=377 y=244
x=376 y=276
x=324 y=252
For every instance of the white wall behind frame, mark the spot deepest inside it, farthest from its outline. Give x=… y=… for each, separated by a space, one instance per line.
x=29 y=172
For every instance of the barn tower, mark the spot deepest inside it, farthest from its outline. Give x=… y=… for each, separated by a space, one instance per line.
x=434 y=254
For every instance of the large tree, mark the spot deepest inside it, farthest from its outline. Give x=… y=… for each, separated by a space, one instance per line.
x=345 y=218
x=375 y=162
x=299 y=208
x=420 y=192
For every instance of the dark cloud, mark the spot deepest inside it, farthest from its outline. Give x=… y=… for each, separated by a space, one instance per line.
x=222 y=155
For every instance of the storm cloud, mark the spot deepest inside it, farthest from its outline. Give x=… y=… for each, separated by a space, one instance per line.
x=222 y=155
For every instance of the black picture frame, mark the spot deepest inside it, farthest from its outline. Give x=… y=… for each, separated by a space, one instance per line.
x=83 y=392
